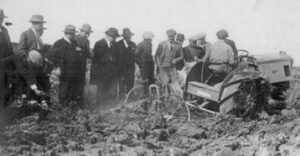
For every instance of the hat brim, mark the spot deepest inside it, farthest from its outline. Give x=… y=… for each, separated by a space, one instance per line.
x=31 y=21
x=116 y=35
x=70 y=31
x=131 y=34
x=86 y=31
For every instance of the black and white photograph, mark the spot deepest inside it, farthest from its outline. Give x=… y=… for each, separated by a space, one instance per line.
x=149 y=78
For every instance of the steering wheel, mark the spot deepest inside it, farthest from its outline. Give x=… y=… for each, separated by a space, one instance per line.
x=243 y=52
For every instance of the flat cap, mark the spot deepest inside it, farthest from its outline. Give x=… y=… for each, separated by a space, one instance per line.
x=171 y=32
x=222 y=34
x=201 y=36
x=193 y=37
x=148 y=35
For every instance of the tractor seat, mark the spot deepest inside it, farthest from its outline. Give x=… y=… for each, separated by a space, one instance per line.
x=203 y=90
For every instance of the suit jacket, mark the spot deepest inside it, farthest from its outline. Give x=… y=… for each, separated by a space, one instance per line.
x=103 y=67
x=25 y=75
x=6 y=51
x=84 y=44
x=143 y=53
x=84 y=52
x=28 y=42
x=125 y=56
x=163 y=49
x=5 y=43
x=64 y=54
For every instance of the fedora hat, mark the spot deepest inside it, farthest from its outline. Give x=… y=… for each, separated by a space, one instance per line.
x=70 y=29
x=2 y=14
x=86 y=28
x=180 y=37
x=37 y=19
x=112 y=32
x=127 y=31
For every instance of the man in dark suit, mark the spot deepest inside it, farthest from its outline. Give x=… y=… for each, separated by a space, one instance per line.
x=125 y=62
x=29 y=75
x=103 y=68
x=5 y=68
x=31 y=38
x=65 y=55
x=84 y=51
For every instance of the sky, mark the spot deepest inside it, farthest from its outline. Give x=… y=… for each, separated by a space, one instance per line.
x=259 y=26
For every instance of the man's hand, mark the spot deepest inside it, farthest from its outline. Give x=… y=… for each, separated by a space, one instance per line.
x=39 y=92
x=174 y=62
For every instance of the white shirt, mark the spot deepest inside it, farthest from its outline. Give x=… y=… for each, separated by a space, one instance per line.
x=68 y=40
x=39 y=41
x=108 y=39
x=126 y=44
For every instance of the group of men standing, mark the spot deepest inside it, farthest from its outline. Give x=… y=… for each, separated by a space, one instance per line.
x=112 y=61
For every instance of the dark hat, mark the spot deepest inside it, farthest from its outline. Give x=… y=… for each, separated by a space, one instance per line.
x=112 y=32
x=171 y=32
x=127 y=32
x=86 y=28
x=2 y=14
x=37 y=19
x=70 y=29
x=222 y=34
x=180 y=37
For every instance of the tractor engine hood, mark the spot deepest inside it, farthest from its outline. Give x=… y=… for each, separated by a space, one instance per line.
x=272 y=57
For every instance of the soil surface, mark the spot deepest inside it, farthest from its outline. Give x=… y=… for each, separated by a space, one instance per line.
x=134 y=129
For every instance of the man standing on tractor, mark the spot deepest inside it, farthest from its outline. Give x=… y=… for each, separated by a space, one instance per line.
x=168 y=54
x=220 y=59
x=231 y=43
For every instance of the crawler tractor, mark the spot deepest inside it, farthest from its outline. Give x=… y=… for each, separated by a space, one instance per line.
x=247 y=89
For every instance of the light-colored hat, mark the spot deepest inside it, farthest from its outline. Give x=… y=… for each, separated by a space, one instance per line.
x=86 y=27
x=193 y=37
x=36 y=58
x=2 y=13
x=201 y=36
x=70 y=29
x=37 y=19
x=171 y=32
x=148 y=35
